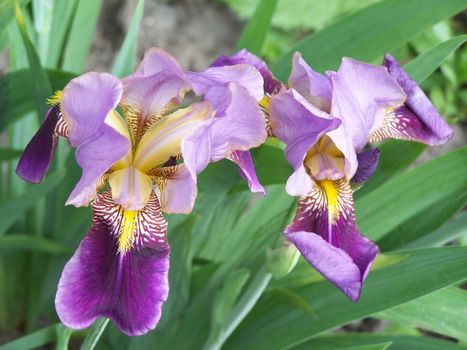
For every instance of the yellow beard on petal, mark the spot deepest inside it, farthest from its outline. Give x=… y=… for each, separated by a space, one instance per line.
x=55 y=98
x=332 y=199
x=127 y=230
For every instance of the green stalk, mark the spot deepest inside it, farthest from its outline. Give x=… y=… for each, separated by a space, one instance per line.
x=94 y=335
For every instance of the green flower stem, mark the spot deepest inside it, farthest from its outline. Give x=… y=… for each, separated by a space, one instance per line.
x=94 y=335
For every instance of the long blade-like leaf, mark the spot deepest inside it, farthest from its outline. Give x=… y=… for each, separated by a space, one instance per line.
x=272 y=325
x=126 y=59
x=254 y=34
x=369 y=33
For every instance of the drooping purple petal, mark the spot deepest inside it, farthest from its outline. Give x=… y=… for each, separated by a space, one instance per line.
x=315 y=87
x=271 y=84
x=130 y=287
x=299 y=129
x=86 y=103
x=213 y=82
x=367 y=163
x=333 y=246
x=238 y=126
x=418 y=120
x=362 y=94
x=39 y=152
x=247 y=170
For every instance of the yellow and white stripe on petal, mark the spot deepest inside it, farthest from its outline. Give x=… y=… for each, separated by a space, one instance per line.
x=164 y=138
x=130 y=188
x=115 y=121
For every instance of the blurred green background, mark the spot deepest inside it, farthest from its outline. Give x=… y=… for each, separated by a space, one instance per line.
x=223 y=292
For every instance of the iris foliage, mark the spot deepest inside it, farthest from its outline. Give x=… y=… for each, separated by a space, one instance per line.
x=222 y=290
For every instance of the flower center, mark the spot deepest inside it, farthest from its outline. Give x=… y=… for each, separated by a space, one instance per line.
x=325 y=161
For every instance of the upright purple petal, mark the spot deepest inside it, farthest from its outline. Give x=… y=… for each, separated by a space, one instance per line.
x=330 y=241
x=130 y=288
x=247 y=170
x=315 y=87
x=293 y=123
x=213 y=82
x=419 y=120
x=362 y=94
x=238 y=126
x=271 y=84
x=87 y=101
x=158 y=82
x=39 y=152
x=367 y=163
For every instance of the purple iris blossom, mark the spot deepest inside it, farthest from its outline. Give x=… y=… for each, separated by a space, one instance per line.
x=120 y=269
x=222 y=86
x=372 y=103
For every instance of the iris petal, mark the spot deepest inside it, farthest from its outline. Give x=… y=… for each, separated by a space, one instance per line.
x=294 y=124
x=40 y=151
x=315 y=87
x=418 y=120
x=164 y=138
x=325 y=232
x=129 y=288
x=239 y=127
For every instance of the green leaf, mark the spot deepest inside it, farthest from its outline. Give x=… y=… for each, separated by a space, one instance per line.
x=17 y=95
x=63 y=13
x=410 y=194
x=442 y=312
x=272 y=325
x=369 y=33
x=434 y=216
x=223 y=304
x=7 y=12
x=16 y=208
x=421 y=67
x=95 y=334
x=81 y=34
x=254 y=34
x=33 y=340
x=395 y=157
x=125 y=62
x=446 y=233
x=39 y=79
x=398 y=342
x=11 y=243
x=9 y=153
x=222 y=330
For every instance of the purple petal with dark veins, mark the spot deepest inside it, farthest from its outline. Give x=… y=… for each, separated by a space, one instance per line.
x=361 y=96
x=430 y=128
x=367 y=163
x=299 y=128
x=271 y=84
x=335 y=248
x=39 y=152
x=99 y=281
x=247 y=170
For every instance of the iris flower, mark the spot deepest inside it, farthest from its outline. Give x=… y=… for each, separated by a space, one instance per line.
x=134 y=168
x=327 y=121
